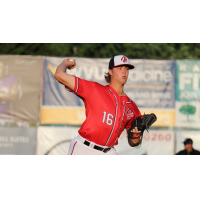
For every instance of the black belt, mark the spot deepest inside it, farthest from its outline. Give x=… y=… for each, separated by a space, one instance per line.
x=97 y=147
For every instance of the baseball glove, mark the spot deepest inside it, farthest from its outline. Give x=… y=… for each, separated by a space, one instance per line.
x=142 y=122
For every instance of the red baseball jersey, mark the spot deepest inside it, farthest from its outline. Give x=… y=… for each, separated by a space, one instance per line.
x=107 y=113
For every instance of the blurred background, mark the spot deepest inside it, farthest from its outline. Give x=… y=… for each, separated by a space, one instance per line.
x=38 y=116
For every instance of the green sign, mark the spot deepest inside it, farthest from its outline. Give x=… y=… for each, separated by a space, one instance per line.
x=187 y=80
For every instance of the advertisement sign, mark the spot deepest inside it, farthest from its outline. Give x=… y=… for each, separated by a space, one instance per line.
x=20 y=88
x=188 y=93
x=150 y=85
x=17 y=140
x=63 y=115
x=156 y=142
x=165 y=118
x=55 y=140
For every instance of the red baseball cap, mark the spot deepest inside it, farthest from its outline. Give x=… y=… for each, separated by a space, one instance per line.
x=120 y=60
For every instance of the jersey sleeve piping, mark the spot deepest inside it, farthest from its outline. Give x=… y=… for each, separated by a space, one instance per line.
x=75 y=87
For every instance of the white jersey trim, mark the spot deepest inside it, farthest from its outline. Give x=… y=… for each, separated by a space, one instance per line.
x=68 y=89
x=77 y=85
x=123 y=116
x=129 y=101
x=74 y=92
x=115 y=117
x=120 y=124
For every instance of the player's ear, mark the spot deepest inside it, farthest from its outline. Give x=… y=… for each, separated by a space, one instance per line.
x=110 y=71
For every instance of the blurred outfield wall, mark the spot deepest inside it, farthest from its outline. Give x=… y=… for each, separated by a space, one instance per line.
x=46 y=140
x=29 y=93
x=20 y=88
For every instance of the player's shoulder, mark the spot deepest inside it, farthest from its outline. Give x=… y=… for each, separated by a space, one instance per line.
x=81 y=80
x=100 y=86
x=95 y=85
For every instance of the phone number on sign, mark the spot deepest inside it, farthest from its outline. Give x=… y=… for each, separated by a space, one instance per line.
x=157 y=137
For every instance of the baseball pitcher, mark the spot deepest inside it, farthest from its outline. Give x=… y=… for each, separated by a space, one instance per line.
x=108 y=109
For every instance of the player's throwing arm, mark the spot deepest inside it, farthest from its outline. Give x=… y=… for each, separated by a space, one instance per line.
x=61 y=76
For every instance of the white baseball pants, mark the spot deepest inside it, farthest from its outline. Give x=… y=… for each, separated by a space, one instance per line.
x=78 y=148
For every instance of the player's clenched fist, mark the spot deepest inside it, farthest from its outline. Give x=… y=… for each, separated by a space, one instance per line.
x=71 y=63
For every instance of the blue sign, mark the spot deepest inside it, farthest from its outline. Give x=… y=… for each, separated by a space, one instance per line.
x=152 y=83
x=54 y=93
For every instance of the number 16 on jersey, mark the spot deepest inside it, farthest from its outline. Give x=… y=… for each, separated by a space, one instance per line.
x=108 y=118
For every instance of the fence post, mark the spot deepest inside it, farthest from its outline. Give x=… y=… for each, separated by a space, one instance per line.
x=175 y=141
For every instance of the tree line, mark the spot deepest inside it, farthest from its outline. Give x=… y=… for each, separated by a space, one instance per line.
x=105 y=50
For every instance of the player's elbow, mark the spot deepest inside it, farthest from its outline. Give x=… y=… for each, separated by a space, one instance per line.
x=65 y=79
x=58 y=76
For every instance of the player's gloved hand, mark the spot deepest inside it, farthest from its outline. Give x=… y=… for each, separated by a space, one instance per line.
x=135 y=134
x=142 y=122
x=71 y=63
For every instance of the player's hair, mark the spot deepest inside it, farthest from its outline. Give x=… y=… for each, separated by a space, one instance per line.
x=107 y=77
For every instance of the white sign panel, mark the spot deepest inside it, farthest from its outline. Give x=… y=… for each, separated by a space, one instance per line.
x=188 y=93
x=188 y=114
x=55 y=140
x=154 y=143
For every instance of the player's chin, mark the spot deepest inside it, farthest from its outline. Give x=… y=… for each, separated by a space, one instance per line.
x=123 y=81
